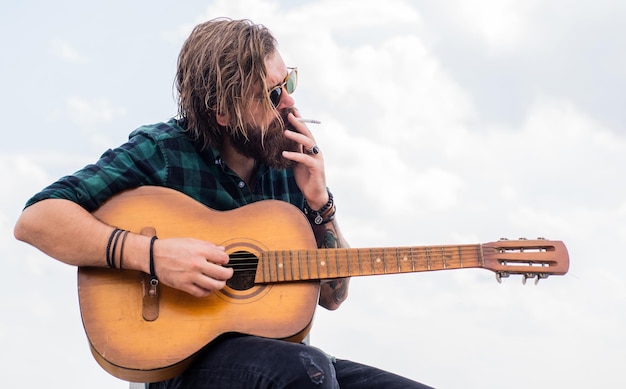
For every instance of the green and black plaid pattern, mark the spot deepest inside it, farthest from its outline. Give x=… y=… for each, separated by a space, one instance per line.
x=162 y=154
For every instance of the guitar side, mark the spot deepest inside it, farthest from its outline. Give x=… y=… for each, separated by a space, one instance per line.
x=111 y=301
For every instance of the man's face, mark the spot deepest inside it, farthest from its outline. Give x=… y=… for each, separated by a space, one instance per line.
x=268 y=148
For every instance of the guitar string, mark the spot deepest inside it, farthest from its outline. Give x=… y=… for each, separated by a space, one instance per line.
x=242 y=261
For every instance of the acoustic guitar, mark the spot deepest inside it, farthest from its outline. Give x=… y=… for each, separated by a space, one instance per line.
x=138 y=332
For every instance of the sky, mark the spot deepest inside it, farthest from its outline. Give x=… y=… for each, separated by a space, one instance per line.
x=448 y=122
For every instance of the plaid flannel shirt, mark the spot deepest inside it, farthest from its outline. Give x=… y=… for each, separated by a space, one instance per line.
x=162 y=154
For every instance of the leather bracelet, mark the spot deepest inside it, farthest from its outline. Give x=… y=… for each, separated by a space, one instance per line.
x=110 y=261
x=153 y=278
x=122 y=248
x=114 y=249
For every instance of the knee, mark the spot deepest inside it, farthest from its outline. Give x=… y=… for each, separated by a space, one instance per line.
x=313 y=369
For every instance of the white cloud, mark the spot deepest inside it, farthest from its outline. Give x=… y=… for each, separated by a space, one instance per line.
x=558 y=148
x=21 y=175
x=66 y=52
x=86 y=113
x=91 y=116
x=406 y=188
x=502 y=25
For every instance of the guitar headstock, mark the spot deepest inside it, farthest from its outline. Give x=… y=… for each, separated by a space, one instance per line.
x=537 y=258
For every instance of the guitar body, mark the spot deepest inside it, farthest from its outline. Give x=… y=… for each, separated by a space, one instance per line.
x=113 y=302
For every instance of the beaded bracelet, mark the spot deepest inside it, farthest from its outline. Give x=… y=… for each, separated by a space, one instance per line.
x=321 y=216
x=329 y=218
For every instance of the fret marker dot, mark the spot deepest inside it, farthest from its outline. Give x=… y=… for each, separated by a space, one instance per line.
x=280 y=265
x=323 y=263
x=378 y=260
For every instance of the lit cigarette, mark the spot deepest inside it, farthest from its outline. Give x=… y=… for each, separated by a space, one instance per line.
x=313 y=121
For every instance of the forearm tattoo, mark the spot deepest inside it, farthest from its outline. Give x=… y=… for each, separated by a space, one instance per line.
x=330 y=240
x=327 y=236
x=340 y=288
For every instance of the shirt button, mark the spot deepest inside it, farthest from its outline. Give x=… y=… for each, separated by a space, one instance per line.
x=241 y=184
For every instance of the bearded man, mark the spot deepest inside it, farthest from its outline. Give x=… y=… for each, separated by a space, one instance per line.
x=237 y=139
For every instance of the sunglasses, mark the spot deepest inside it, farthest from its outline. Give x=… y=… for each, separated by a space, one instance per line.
x=289 y=84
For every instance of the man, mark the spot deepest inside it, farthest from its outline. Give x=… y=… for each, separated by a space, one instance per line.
x=237 y=140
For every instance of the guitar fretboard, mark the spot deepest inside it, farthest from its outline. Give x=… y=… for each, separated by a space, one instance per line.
x=300 y=265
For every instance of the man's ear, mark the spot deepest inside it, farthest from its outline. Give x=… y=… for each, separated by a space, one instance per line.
x=222 y=119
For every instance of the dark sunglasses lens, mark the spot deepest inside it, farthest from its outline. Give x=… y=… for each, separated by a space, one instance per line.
x=275 y=96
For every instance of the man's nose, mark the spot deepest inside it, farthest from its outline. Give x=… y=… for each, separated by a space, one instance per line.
x=286 y=100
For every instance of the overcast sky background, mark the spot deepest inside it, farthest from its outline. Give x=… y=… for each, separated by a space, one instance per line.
x=444 y=122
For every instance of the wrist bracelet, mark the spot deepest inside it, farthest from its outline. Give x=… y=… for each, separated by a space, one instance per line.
x=320 y=216
x=122 y=248
x=328 y=218
x=114 y=249
x=154 y=281
x=110 y=260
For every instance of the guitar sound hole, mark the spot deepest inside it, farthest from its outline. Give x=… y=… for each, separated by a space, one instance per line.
x=244 y=265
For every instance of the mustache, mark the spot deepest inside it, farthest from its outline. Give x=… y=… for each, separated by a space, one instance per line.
x=283 y=118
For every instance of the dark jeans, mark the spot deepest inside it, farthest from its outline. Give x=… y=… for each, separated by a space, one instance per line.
x=249 y=362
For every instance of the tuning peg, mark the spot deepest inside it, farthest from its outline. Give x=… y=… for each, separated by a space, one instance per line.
x=500 y=275
x=540 y=276
x=536 y=276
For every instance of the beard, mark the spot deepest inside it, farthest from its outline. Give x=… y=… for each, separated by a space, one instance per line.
x=267 y=148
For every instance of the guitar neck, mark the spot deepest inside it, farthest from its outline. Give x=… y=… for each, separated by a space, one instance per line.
x=301 y=265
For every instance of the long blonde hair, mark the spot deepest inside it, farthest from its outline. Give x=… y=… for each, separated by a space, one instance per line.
x=220 y=67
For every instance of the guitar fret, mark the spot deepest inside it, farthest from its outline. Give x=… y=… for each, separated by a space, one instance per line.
x=412 y=259
x=384 y=260
x=443 y=257
x=401 y=259
x=273 y=268
x=318 y=264
x=428 y=258
x=308 y=267
x=300 y=265
x=327 y=263
x=398 y=260
x=279 y=266
x=358 y=257
x=460 y=256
